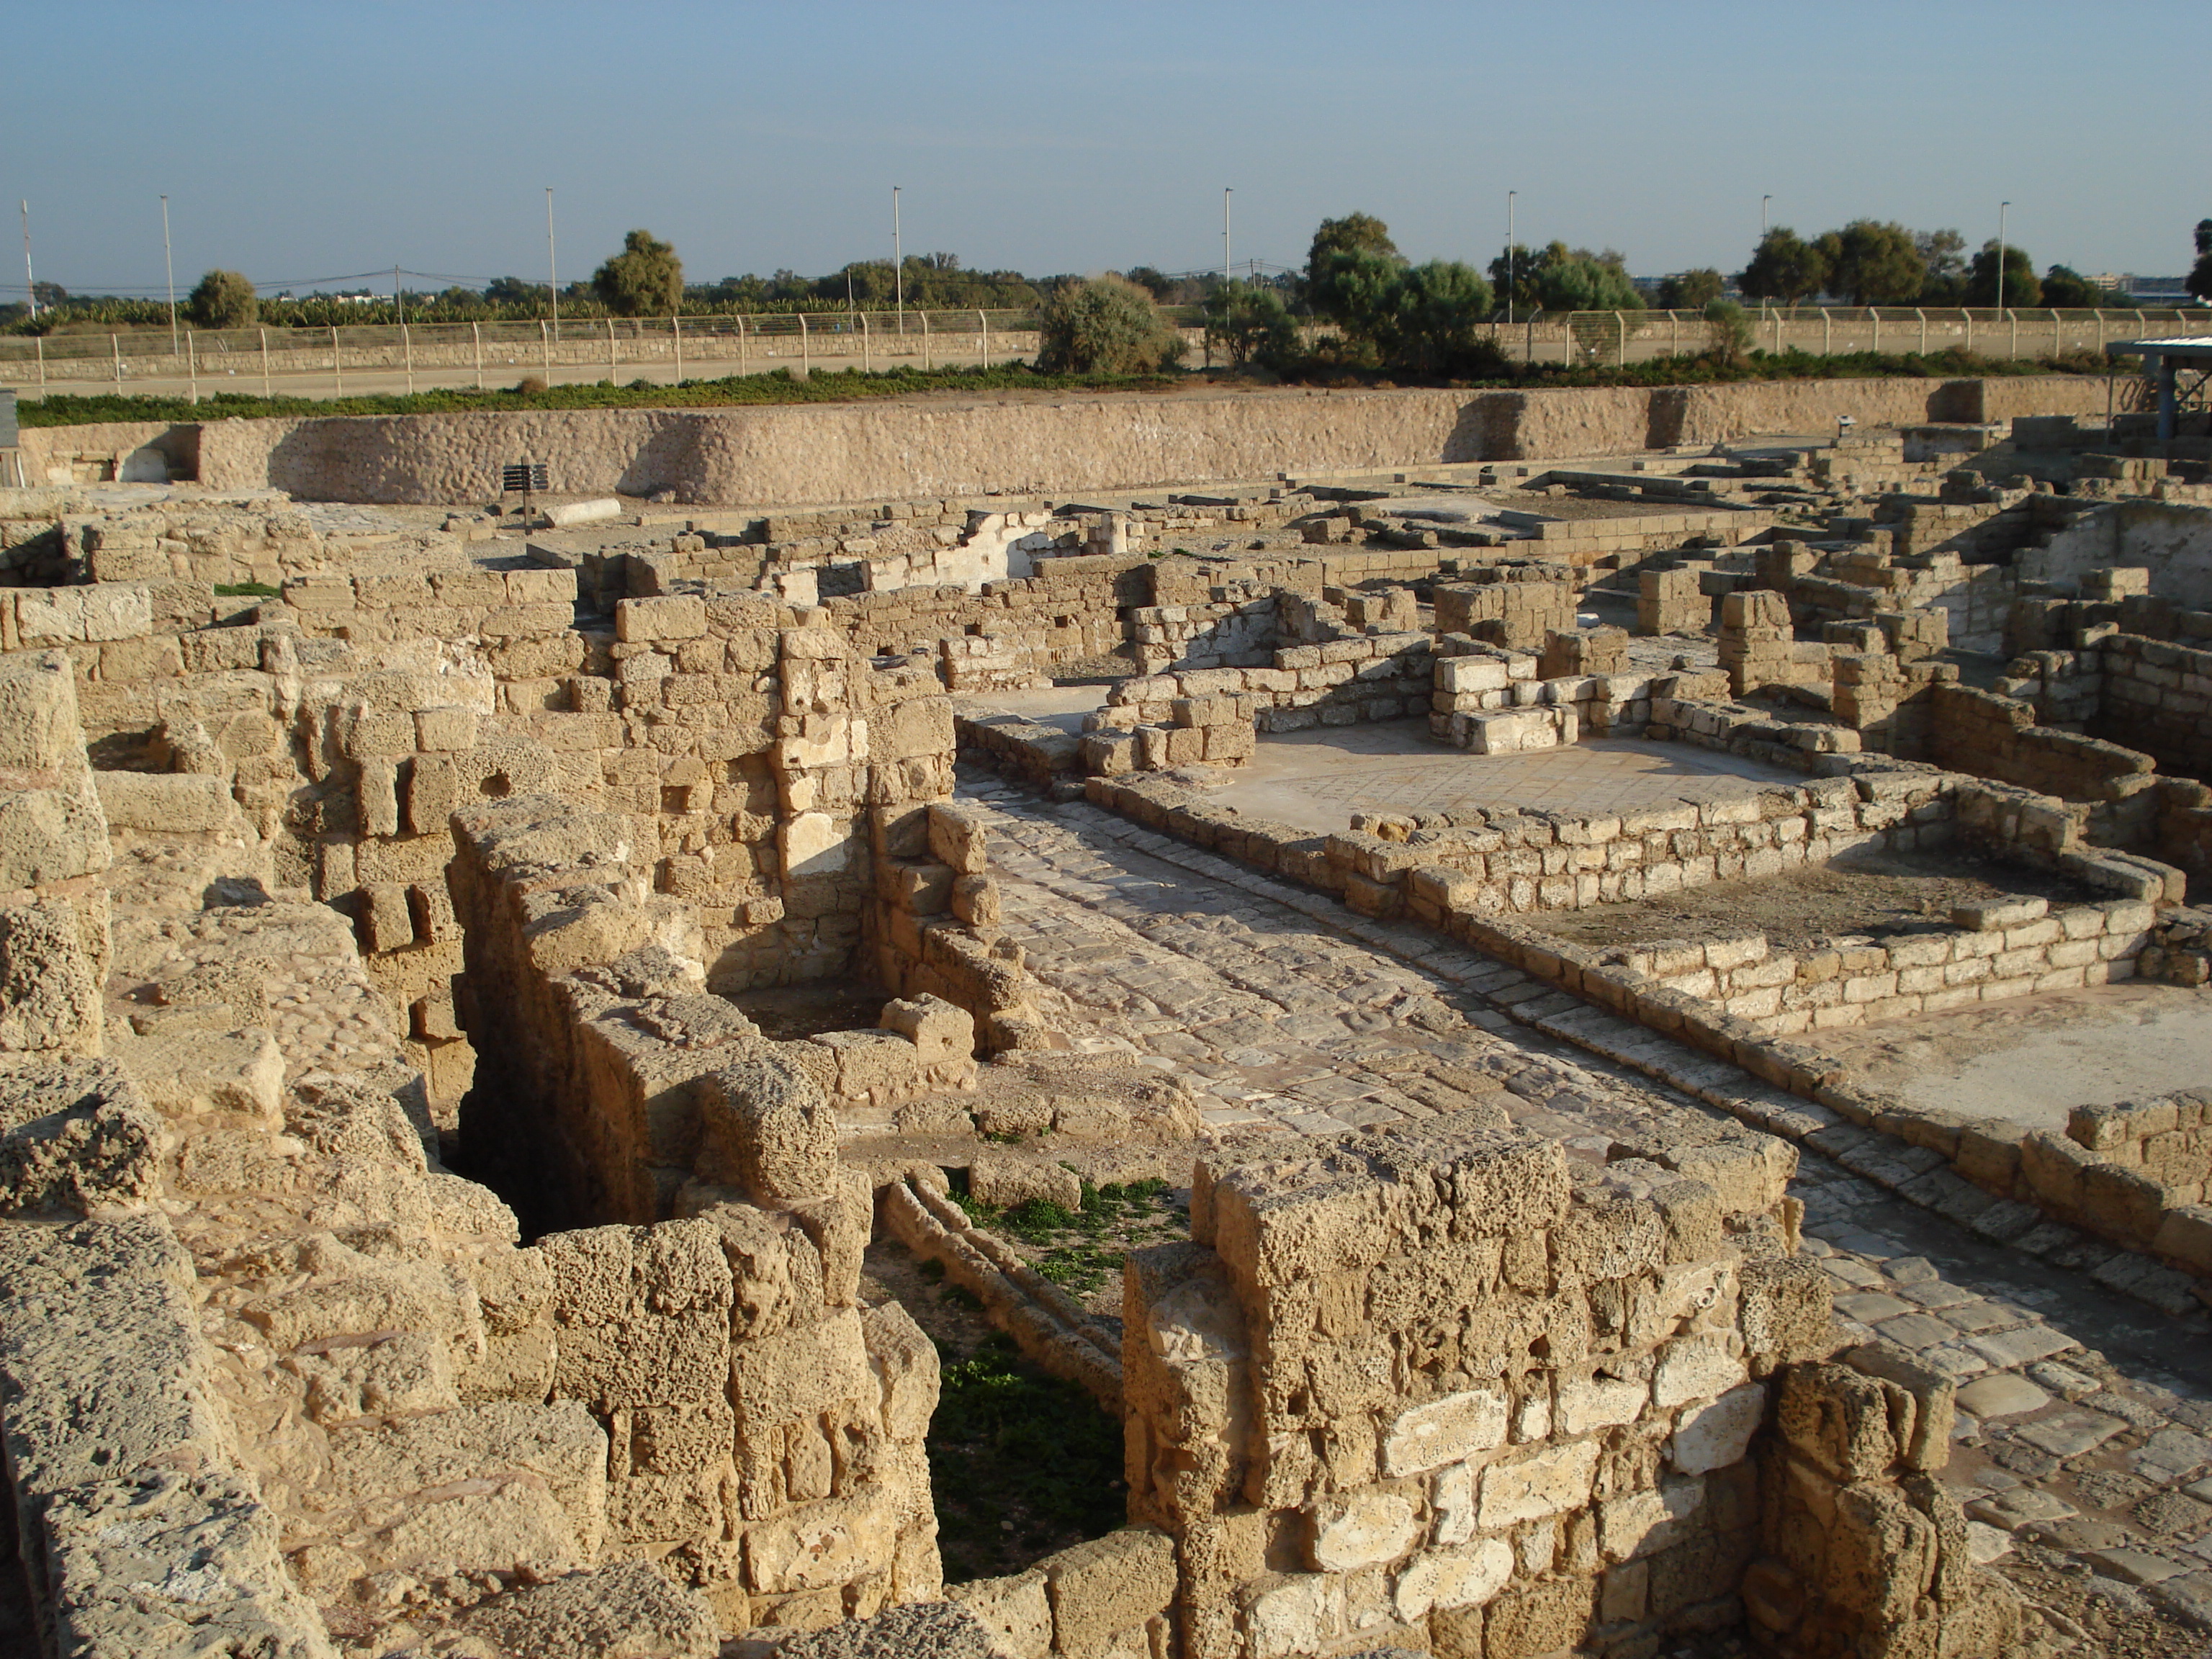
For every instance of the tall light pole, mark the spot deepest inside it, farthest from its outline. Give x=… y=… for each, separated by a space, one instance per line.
x=1509 y=195
x=30 y=283
x=1763 y=202
x=898 y=261
x=552 y=275
x=169 y=265
x=1225 y=194
x=2002 y=206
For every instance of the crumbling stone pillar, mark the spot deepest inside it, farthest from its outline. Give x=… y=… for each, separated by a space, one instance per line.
x=1434 y=1388
x=1756 y=640
x=1573 y=651
x=1672 y=602
x=1864 y=1553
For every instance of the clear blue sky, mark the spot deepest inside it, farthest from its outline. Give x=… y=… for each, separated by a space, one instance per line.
x=302 y=140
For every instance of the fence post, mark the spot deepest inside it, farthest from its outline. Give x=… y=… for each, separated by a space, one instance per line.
x=983 y=334
x=338 y=369
x=117 y=345
x=1875 y=312
x=2057 y=334
x=611 y=348
x=1529 y=351
x=805 y=349
x=1827 y=332
x=867 y=357
x=2012 y=347
x=264 y=362
x=1620 y=326
x=476 y=343
x=193 y=365
x=41 y=341
x=741 y=343
x=407 y=351
x=1673 y=334
x=2100 y=315
x=1969 y=316
x=1777 y=331
x=925 y=342
x=677 y=320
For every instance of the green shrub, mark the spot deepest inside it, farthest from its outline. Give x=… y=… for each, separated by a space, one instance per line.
x=646 y=279
x=1250 y=324
x=1728 y=330
x=224 y=298
x=1105 y=326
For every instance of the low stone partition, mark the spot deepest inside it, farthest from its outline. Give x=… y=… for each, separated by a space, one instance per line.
x=2159 y=696
x=1443 y=1390
x=1211 y=715
x=1996 y=737
x=2015 y=949
x=1103 y=1599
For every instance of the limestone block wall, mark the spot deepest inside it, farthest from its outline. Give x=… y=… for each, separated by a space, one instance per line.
x=586 y=994
x=2157 y=697
x=1071 y=611
x=1159 y=721
x=1440 y=1389
x=2020 y=949
x=1515 y=603
x=864 y=451
x=1996 y=737
x=55 y=942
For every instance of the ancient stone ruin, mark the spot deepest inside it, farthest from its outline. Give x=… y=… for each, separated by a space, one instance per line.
x=559 y=1088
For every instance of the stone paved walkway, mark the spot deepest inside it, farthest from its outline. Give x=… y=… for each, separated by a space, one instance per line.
x=2085 y=1419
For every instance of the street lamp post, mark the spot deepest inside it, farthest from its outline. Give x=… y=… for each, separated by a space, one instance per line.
x=1225 y=235
x=170 y=265
x=1763 y=202
x=898 y=260
x=1509 y=195
x=30 y=283
x=552 y=275
x=2002 y=206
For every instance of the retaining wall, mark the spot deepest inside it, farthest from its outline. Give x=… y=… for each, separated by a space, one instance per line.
x=852 y=451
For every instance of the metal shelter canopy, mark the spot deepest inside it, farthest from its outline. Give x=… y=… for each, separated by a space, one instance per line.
x=2165 y=360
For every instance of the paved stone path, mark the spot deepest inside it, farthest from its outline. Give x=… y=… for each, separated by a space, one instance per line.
x=2085 y=1421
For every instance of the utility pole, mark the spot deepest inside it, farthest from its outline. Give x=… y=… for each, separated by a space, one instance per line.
x=1226 y=278
x=30 y=283
x=552 y=276
x=1509 y=195
x=399 y=298
x=1763 y=201
x=898 y=260
x=171 y=266
x=2002 y=206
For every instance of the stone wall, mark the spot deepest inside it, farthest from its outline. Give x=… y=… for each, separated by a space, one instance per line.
x=1443 y=1389
x=586 y=994
x=859 y=451
x=2019 y=949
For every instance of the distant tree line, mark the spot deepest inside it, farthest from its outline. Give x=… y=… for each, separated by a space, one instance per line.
x=1876 y=263
x=1389 y=312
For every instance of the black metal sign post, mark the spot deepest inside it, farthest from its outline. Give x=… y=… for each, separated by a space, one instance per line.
x=526 y=476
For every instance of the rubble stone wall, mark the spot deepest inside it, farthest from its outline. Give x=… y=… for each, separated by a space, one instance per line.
x=855 y=452
x=1445 y=1389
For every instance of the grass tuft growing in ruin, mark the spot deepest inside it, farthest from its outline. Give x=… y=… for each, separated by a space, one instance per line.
x=1022 y=1464
x=1083 y=1249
